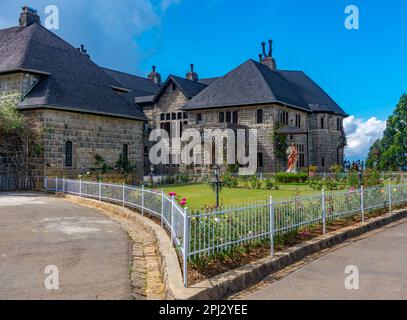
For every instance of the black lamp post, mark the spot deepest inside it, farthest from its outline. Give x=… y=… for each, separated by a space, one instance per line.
x=217 y=183
x=152 y=175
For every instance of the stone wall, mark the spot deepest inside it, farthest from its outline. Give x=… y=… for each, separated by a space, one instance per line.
x=327 y=144
x=14 y=86
x=90 y=135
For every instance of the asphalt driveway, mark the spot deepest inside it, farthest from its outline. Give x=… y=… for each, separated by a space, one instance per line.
x=91 y=252
x=381 y=261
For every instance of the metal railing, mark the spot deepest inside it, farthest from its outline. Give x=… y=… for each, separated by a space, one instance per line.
x=206 y=232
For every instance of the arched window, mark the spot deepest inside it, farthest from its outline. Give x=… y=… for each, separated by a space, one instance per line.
x=68 y=154
x=259 y=117
x=125 y=153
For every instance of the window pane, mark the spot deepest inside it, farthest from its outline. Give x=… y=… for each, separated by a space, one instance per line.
x=228 y=117
x=235 y=117
x=68 y=154
x=221 y=117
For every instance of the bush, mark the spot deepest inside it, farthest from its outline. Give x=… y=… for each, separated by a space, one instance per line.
x=291 y=177
x=255 y=183
x=230 y=181
x=316 y=184
x=269 y=184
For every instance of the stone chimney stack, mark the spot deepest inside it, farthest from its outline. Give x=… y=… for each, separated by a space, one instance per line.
x=192 y=75
x=28 y=16
x=267 y=58
x=155 y=76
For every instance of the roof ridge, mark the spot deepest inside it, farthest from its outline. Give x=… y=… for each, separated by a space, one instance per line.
x=263 y=77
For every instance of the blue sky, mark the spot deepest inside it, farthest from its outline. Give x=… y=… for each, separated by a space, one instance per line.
x=363 y=70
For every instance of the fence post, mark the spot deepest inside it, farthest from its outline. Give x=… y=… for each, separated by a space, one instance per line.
x=142 y=200
x=172 y=219
x=63 y=185
x=46 y=183
x=162 y=207
x=362 y=202
x=123 y=193
x=390 y=204
x=80 y=187
x=323 y=212
x=56 y=184
x=100 y=190
x=186 y=247
x=272 y=229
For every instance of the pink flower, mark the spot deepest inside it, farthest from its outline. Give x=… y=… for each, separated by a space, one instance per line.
x=184 y=199
x=172 y=194
x=183 y=203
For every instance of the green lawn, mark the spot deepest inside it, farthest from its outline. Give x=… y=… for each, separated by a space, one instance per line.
x=200 y=195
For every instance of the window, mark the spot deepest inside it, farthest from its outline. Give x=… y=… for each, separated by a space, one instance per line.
x=68 y=154
x=173 y=86
x=228 y=117
x=146 y=150
x=338 y=124
x=125 y=153
x=179 y=116
x=235 y=117
x=323 y=162
x=259 y=116
x=298 y=120
x=162 y=116
x=168 y=116
x=221 y=117
x=283 y=118
x=322 y=123
x=185 y=115
x=260 y=160
x=173 y=116
x=198 y=118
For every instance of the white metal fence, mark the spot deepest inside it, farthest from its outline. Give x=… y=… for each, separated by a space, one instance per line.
x=206 y=232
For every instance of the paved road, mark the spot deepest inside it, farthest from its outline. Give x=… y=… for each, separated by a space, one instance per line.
x=381 y=259
x=91 y=252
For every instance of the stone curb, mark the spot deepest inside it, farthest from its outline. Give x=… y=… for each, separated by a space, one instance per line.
x=226 y=284
x=169 y=265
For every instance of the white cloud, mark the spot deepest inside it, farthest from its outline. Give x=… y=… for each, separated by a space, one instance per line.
x=361 y=135
x=165 y=4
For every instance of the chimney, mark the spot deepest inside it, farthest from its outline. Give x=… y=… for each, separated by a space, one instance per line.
x=191 y=75
x=155 y=76
x=28 y=16
x=268 y=59
x=83 y=51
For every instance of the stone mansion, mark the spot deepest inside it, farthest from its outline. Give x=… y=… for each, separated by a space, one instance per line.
x=88 y=110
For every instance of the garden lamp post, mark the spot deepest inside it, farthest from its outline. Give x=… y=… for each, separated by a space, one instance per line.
x=217 y=182
x=152 y=175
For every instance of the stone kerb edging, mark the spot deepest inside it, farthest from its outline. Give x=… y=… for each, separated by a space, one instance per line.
x=236 y=280
x=169 y=264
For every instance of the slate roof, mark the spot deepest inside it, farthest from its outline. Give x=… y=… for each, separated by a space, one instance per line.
x=188 y=87
x=74 y=82
x=140 y=87
x=208 y=81
x=255 y=83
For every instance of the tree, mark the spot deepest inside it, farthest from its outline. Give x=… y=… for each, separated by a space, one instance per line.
x=20 y=138
x=390 y=153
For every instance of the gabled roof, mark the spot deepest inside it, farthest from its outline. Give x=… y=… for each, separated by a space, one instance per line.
x=255 y=83
x=71 y=81
x=188 y=87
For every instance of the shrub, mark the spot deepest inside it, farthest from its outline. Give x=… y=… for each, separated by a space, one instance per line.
x=291 y=177
x=269 y=184
x=255 y=183
x=230 y=181
x=316 y=184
